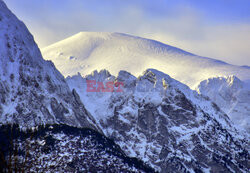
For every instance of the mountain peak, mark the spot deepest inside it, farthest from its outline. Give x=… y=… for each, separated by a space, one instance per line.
x=162 y=122
x=32 y=90
x=17 y=45
x=93 y=35
x=89 y=51
x=233 y=80
x=231 y=95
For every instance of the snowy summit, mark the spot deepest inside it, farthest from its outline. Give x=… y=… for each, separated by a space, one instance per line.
x=89 y=51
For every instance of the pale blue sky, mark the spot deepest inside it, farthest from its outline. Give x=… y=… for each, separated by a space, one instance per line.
x=214 y=28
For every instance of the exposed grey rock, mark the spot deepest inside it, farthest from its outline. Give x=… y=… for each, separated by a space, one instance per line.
x=167 y=125
x=231 y=95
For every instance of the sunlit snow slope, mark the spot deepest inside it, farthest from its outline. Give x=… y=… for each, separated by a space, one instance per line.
x=89 y=51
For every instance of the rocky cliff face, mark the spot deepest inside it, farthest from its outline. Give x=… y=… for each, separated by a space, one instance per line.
x=32 y=91
x=232 y=95
x=164 y=123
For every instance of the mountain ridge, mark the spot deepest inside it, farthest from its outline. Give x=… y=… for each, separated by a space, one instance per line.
x=163 y=122
x=32 y=90
x=232 y=95
x=89 y=51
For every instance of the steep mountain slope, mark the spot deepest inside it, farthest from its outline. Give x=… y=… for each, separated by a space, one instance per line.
x=164 y=123
x=231 y=95
x=61 y=148
x=89 y=51
x=32 y=91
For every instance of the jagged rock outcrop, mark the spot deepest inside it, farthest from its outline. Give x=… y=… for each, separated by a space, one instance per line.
x=164 y=123
x=232 y=95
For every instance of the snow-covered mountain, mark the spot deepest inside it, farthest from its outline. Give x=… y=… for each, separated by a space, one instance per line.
x=36 y=97
x=89 y=51
x=231 y=95
x=32 y=90
x=164 y=123
x=154 y=118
